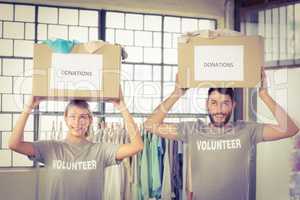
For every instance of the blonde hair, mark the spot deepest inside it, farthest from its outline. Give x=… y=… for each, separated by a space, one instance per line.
x=80 y=104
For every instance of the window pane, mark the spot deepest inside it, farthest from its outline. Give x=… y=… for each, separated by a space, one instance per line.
x=13 y=30
x=275 y=33
x=156 y=73
x=80 y=34
x=114 y=20
x=143 y=38
x=156 y=39
x=93 y=34
x=290 y=32
x=6 y=11
x=127 y=72
x=261 y=21
x=20 y=160
x=142 y=72
x=175 y=40
x=151 y=89
x=282 y=33
x=206 y=24
x=48 y=15
x=152 y=23
x=124 y=37
x=68 y=17
x=252 y=24
x=170 y=56
x=297 y=31
x=135 y=54
x=268 y=36
x=143 y=105
x=152 y=55
x=110 y=35
x=189 y=25
x=129 y=88
x=134 y=21
x=172 y=24
x=167 y=40
x=57 y=31
x=167 y=73
x=29 y=31
x=88 y=18
x=5 y=160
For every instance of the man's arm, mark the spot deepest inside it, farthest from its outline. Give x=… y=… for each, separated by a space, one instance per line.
x=154 y=123
x=285 y=127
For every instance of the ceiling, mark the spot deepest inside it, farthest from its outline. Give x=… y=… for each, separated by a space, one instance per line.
x=200 y=8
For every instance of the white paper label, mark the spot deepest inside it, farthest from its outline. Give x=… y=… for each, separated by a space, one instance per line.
x=76 y=71
x=219 y=63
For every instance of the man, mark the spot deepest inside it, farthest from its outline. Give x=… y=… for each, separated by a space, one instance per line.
x=221 y=151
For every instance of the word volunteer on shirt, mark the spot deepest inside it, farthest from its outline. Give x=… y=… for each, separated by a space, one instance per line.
x=78 y=165
x=218 y=145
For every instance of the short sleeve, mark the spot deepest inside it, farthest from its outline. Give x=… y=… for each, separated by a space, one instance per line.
x=110 y=153
x=184 y=129
x=256 y=131
x=43 y=150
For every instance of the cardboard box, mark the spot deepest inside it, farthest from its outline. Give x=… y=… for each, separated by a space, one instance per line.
x=91 y=71
x=226 y=61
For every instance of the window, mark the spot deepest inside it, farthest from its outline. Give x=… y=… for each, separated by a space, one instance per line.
x=280 y=28
x=148 y=74
x=17 y=36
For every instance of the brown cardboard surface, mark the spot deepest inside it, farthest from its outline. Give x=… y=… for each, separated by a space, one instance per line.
x=110 y=74
x=253 y=61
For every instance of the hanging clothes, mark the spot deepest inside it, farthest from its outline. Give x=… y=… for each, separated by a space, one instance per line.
x=166 y=193
x=117 y=178
x=113 y=175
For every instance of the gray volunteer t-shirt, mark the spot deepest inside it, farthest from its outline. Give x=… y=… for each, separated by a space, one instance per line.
x=221 y=159
x=75 y=171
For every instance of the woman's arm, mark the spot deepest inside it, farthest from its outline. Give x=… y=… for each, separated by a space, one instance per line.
x=16 y=140
x=136 y=144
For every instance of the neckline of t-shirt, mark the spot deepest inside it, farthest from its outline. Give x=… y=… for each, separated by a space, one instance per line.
x=81 y=143
x=223 y=135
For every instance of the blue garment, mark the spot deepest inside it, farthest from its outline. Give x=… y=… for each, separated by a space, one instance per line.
x=155 y=184
x=60 y=45
x=176 y=173
x=161 y=151
x=144 y=170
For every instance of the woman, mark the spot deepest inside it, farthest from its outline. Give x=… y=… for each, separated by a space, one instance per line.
x=75 y=166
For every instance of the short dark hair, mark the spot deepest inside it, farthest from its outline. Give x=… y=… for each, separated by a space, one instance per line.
x=225 y=91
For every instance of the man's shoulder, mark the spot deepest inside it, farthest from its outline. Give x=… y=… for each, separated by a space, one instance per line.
x=246 y=124
x=193 y=124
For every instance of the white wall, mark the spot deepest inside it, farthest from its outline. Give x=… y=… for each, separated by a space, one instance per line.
x=274 y=158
